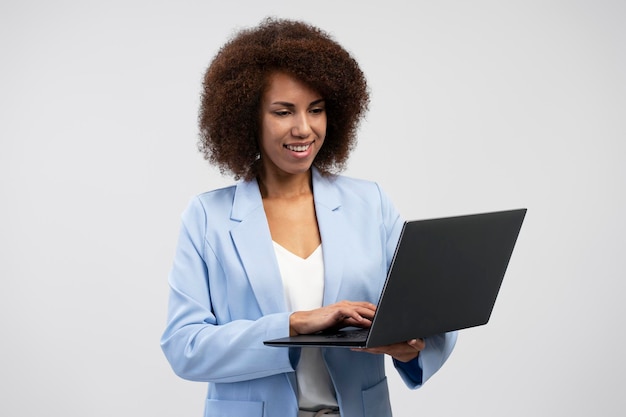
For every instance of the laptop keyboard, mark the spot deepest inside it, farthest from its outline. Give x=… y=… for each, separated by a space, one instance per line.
x=349 y=334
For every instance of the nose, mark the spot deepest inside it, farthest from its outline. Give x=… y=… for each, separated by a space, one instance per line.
x=301 y=127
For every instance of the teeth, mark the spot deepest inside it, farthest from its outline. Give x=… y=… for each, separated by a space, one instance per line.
x=297 y=148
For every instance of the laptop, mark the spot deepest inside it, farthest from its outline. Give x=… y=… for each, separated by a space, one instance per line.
x=445 y=275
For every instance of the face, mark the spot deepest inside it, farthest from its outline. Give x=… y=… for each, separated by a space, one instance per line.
x=293 y=126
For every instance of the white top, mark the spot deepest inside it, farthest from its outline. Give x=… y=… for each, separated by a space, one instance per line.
x=303 y=283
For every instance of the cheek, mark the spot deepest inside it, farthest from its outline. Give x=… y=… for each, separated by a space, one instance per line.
x=266 y=133
x=263 y=128
x=264 y=140
x=272 y=128
x=321 y=127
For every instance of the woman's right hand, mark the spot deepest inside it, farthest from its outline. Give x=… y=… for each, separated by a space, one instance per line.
x=338 y=315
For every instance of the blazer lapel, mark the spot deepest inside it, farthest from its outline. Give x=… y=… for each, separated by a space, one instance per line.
x=253 y=242
x=332 y=231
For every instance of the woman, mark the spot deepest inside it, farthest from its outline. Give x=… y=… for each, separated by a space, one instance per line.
x=292 y=248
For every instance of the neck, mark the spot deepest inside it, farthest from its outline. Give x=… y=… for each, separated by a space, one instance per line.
x=285 y=186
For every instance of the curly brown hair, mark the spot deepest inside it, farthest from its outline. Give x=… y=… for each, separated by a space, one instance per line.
x=238 y=75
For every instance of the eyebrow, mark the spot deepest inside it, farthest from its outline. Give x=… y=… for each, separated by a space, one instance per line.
x=287 y=104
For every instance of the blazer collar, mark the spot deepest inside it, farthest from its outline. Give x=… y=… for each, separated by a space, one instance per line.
x=324 y=191
x=332 y=225
x=248 y=196
x=247 y=200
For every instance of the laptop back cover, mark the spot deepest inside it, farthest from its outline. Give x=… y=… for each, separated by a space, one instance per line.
x=446 y=275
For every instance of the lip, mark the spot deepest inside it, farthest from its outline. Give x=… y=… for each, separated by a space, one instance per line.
x=299 y=153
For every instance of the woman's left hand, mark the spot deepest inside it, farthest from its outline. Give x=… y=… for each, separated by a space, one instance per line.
x=403 y=351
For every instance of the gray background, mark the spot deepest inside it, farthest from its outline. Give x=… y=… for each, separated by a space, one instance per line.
x=476 y=106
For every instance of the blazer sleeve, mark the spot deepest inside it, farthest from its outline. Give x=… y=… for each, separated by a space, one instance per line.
x=439 y=347
x=198 y=347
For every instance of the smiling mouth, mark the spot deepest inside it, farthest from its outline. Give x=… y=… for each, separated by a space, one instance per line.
x=298 y=148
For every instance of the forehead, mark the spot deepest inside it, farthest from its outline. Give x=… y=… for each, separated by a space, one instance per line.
x=285 y=87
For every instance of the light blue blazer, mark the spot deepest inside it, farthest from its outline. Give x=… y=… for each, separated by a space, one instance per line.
x=226 y=298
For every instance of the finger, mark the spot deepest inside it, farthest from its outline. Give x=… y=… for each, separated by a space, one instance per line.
x=365 y=311
x=359 y=304
x=355 y=318
x=356 y=313
x=367 y=306
x=417 y=344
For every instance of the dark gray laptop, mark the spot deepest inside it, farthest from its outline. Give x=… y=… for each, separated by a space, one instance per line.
x=445 y=275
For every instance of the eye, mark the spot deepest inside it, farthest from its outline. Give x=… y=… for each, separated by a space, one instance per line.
x=282 y=113
x=317 y=110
